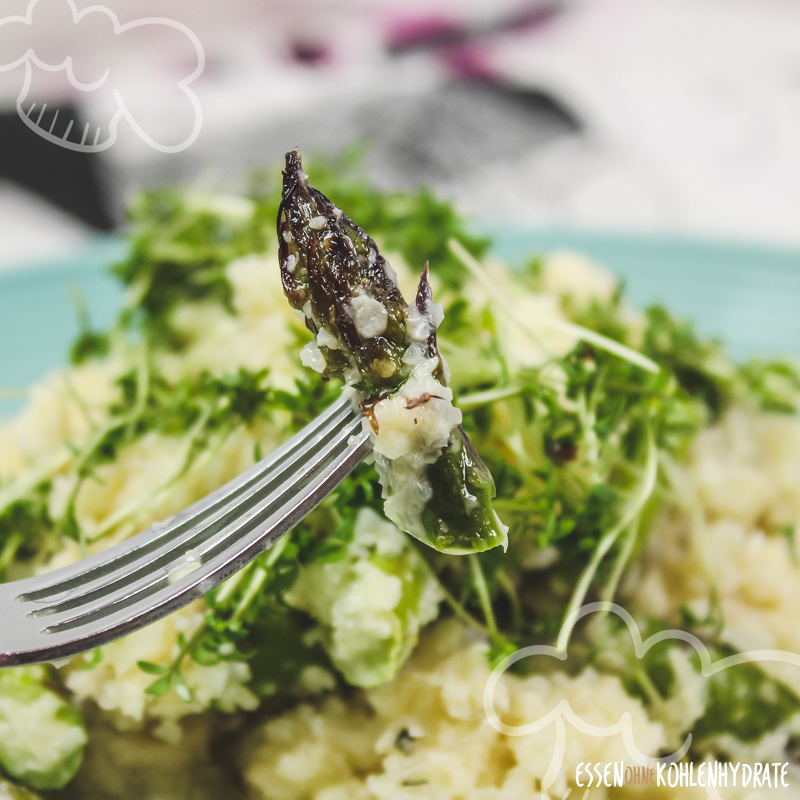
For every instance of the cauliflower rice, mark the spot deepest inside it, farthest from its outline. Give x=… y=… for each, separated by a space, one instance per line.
x=421 y=733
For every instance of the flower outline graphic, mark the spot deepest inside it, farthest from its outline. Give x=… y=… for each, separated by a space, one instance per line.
x=563 y=711
x=15 y=34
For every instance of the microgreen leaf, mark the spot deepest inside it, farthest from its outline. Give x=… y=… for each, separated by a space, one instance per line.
x=181 y=687
x=160 y=687
x=152 y=669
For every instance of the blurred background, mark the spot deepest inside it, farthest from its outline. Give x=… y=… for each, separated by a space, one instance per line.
x=674 y=116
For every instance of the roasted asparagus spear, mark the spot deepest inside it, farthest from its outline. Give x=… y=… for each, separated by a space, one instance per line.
x=435 y=485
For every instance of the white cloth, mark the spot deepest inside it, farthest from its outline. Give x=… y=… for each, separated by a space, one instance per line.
x=692 y=110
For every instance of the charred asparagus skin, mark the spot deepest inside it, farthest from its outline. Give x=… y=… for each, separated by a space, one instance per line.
x=326 y=261
x=333 y=272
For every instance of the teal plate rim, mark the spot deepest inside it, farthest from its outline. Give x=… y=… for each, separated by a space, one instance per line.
x=747 y=294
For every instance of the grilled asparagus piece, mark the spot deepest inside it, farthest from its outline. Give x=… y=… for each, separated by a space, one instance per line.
x=435 y=485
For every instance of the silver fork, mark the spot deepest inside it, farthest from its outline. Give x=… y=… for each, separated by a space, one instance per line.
x=115 y=592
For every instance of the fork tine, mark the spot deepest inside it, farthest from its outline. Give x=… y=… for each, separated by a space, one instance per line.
x=205 y=534
x=336 y=444
x=254 y=520
x=142 y=547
